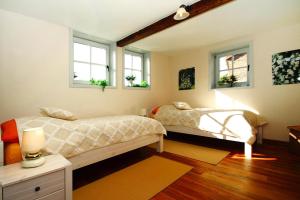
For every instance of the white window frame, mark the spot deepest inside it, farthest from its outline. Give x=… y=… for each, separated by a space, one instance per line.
x=216 y=67
x=146 y=63
x=77 y=37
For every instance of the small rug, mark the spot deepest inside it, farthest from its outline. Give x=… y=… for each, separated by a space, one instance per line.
x=142 y=180
x=209 y=155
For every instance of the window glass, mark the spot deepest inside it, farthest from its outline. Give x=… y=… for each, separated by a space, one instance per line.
x=128 y=61
x=98 y=72
x=241 y=74
x=225 y=73
x=90 y=61
x=240 y=60
x=81 y=52
x=81 y=71
x=99 y=56
x=232 y=66
x=137 y=63
x=138 y=77
x=225 y=62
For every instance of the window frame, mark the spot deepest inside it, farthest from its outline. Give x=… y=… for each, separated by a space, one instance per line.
x=111 y=72
x=92 y=44
x=216 y=67
x=146 y=63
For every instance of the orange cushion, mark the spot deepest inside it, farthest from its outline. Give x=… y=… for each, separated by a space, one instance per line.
x=155 y=110
x=9 y=131
x=12 y=153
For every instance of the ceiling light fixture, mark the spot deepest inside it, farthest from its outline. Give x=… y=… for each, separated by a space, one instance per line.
x=182 y=13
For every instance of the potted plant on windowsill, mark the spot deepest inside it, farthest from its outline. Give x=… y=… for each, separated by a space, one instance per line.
x=227 y=81
x=143 y=84
x=130 y=78
x=100 y=83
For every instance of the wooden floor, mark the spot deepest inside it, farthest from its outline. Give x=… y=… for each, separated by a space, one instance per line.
x=273 y=173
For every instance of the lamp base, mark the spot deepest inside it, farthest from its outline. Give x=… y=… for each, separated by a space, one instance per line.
x=33 y=163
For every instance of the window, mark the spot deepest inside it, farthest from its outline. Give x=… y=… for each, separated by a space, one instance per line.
x=91 y=60
x=136 y=69
x=232 y=68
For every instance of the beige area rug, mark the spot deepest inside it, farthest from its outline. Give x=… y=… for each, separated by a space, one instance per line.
x=209 y=155
x=140 y=181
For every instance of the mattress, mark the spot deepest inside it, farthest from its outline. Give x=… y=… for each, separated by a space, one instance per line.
x=71 y=138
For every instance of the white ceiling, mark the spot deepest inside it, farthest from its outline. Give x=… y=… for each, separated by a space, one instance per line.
x=236 y=19
x=108 y=19
x=115 y=19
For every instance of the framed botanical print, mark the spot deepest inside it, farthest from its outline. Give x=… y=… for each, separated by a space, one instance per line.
x=186 y=79
x=286 y=67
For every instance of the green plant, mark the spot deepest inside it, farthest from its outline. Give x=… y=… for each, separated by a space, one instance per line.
x=130 y=78
x=144 y=84
x=230 y=80
x=100 y=83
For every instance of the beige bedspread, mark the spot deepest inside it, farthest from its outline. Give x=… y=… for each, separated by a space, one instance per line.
x=233 y=123
x=71 y=138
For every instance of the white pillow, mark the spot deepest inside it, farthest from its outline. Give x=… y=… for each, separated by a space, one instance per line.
x=182 y=105
x=58 y=113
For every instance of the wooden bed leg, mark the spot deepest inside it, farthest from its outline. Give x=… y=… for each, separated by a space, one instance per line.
x=160 y=144
x=248 y=151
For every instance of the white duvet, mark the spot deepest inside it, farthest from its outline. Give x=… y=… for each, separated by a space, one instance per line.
x=231 y=123
x=71 y=138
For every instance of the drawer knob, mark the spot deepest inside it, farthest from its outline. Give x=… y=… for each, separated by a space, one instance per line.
x=38 y=188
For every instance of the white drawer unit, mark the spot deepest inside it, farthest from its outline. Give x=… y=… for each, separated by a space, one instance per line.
x=53 y=180
x=59 y=195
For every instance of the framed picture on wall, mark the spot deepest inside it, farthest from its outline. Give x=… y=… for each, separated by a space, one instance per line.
x=186 y=79
x=286 y=67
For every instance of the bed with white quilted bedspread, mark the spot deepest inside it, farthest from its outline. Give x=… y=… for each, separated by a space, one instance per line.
x=71 y=138
x=229 y=123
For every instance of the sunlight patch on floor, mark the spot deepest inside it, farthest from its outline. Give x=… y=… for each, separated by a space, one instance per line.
x=255 y=156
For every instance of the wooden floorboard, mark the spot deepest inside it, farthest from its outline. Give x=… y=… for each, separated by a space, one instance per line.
x=273 y=173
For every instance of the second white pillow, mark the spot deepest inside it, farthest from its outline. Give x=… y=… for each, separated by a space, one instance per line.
x=182 y=105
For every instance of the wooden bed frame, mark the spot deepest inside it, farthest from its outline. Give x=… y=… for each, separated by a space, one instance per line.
x=193 y=131
x=103 y=153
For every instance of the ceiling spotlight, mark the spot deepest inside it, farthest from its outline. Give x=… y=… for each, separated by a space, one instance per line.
x=181 y=13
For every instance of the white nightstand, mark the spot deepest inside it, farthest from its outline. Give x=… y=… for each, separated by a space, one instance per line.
x=51 y=181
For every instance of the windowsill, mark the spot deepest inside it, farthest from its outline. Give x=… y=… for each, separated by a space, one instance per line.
x=136 y=88
x=226 y=88
x=79 y=85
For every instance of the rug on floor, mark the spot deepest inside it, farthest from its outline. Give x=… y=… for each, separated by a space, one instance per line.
x=140 y=181
x=205 y=154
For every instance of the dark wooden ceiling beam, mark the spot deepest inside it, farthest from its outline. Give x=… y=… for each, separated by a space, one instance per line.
x=194 y=10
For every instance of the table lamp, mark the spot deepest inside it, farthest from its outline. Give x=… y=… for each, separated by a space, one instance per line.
x=33 y=141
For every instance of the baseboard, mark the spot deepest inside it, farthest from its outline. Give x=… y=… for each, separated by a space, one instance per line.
x=275 y=142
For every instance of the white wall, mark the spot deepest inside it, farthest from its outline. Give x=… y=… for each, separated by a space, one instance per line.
x=34 y=72
x=280 y=105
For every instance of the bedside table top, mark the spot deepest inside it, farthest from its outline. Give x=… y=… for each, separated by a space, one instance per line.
x=14 y=173
x=296 y=128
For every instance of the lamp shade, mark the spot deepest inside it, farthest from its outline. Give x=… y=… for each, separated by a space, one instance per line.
x=33 y=140
x=181 y=13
